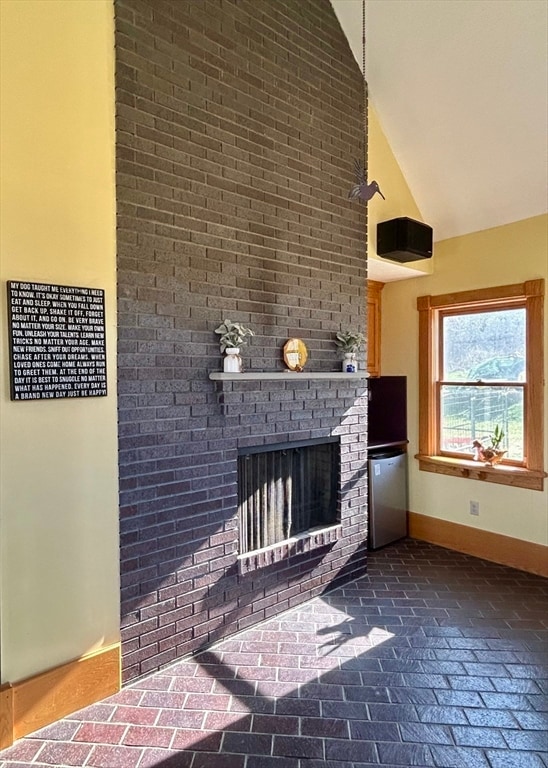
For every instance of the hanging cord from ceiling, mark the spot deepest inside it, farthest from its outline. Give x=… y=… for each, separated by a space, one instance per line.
x=362 y=190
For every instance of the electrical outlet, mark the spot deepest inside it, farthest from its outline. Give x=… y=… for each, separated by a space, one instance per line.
x=474 y=507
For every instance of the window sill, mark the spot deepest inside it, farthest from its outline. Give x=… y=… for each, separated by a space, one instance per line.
x=501 y=474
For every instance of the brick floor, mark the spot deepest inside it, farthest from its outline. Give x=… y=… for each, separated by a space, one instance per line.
x=433 y=659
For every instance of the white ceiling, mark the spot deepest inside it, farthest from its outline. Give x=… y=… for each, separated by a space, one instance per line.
x=461 y=91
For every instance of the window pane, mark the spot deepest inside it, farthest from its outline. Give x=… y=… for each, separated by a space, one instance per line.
x=487 y=346
x=472 y=413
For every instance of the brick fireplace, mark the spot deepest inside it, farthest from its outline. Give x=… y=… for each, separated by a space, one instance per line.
x=237 y=126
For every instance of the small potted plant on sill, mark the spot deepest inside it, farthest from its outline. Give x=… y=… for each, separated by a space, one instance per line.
x=490 y=454
x=349 y=343
x=233 y=337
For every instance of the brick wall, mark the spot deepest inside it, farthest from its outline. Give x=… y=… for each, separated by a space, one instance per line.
x=237 y=125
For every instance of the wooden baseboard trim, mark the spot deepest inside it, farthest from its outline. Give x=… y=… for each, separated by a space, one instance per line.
x=524 y=555
x=6 y=716
x=47 y=697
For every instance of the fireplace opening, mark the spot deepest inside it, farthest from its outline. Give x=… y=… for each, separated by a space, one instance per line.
x=287 y=490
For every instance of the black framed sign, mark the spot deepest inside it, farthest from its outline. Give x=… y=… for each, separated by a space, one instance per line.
x=56 y=341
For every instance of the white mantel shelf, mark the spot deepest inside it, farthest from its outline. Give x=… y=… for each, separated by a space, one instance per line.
x=287 y=376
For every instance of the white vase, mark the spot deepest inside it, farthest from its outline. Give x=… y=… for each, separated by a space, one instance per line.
x=232 y=362
x=349 y=364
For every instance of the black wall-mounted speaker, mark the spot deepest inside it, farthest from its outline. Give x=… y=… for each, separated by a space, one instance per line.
x=404 y=240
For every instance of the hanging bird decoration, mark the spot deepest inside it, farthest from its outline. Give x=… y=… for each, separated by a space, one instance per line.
x=362 y=190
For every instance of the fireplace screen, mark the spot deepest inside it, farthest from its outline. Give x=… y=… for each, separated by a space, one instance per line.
x=286 y=490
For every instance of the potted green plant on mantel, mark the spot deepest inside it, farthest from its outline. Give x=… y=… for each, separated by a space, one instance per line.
x=349 y=343
x=233 y=337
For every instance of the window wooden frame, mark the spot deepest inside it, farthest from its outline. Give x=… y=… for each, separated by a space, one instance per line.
x=529 y=294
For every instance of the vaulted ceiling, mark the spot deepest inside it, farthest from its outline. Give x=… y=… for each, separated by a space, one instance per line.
x=461 y=91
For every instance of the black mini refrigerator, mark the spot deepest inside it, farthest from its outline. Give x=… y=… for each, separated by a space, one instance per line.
x=387 y=465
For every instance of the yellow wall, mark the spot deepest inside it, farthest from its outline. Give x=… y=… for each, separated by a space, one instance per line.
x=399 y=201
x=500 y=256
x=59 y=582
